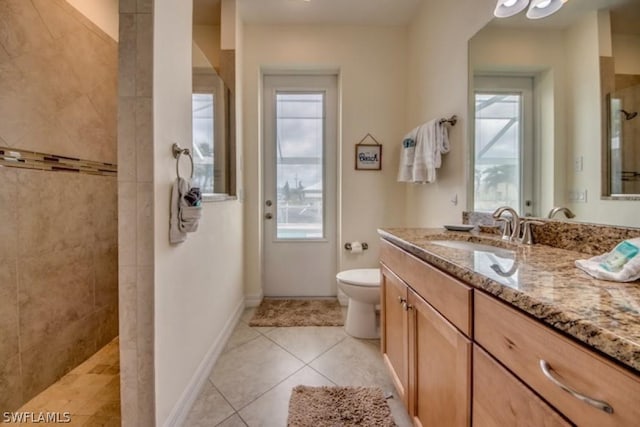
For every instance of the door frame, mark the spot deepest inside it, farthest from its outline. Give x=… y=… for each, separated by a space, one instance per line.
x=260 y=212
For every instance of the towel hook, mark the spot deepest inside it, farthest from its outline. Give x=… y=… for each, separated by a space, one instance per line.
x=177 y=152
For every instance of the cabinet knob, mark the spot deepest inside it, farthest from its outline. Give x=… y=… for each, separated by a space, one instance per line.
x=401 y=300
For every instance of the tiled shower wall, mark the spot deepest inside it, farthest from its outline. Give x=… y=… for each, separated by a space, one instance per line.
x=58 y=230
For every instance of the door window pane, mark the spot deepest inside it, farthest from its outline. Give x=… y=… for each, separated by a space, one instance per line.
x=300 y=165
x=498 y=154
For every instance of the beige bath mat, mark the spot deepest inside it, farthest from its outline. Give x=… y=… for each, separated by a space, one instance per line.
x=338 y=406
x=294 y=312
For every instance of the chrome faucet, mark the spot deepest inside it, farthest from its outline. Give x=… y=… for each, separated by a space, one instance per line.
x=511 y=230
x=567 y=212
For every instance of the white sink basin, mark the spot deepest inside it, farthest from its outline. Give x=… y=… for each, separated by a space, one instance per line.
x=475 y=247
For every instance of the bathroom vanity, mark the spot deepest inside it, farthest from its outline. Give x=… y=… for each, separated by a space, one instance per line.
x=511 y=336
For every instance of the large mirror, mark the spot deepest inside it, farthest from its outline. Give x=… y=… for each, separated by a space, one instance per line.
x=552 y=105
x=213 y=105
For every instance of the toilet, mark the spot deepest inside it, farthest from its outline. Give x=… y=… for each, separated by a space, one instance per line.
x=362 y=286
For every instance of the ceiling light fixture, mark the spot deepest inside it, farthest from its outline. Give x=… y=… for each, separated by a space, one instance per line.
x=537 y=9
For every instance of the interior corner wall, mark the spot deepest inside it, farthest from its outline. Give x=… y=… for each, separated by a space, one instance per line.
x=207 y=37
x=585 y=128
x=372 y=72
x=437 y=87
x=198 y=283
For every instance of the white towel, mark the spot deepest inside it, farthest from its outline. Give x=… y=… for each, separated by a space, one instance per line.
x=407 y=154
x=431 y=141
x=629 y=272
x=176 y=235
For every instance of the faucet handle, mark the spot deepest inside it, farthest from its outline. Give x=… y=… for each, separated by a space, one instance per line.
x=527 y=235
x=506 y=229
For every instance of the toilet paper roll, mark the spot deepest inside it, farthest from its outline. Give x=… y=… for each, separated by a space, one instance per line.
x=356 y=247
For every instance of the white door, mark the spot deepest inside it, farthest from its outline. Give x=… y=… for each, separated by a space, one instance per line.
x=503 y=150
x=300 y=185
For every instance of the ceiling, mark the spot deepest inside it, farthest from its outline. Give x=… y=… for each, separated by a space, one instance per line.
x=359 y=12
x=572 y=11
x=625 y=14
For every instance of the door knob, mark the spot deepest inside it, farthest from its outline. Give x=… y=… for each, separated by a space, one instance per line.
x=268 y=216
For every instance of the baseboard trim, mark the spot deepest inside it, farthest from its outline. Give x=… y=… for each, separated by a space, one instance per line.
x=253 y=300
x=182 y=408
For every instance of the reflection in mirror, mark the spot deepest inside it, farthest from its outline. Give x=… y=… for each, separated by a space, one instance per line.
x=212 y=105
x=570 y=153
x=620 y=79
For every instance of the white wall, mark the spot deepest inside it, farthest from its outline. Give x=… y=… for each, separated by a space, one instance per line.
x=372 y=66
x=541 y=54
x=437 y=87
x=198 y=284
x=103 y=13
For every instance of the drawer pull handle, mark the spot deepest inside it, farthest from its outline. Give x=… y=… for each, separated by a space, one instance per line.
x=603 y=406
x=401 y=300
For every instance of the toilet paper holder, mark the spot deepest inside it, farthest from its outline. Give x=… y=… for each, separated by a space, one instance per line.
x=347 y=246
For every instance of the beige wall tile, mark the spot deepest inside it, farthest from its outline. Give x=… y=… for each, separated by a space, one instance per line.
x=144 y=227
x=145 y=6
x=129 y=387
x=89 y=56
x=8 y=309
x=49 y=130
x=55 y=212
x=127 y=224
x=86 y=128
x=52 y=81
x=144 y=139
x=54 y=290
x=127 y=6
x=128 y=307
x=144 y=55
x=104 y=98
x=57 y=20
x=106 y=325
x=21 y=29
x=104 y=207
x=145 y=340
x=127 y=139
x=127 y=54
x=49 y=359
x=8 y=213
x=105 y=260
x=10 y=384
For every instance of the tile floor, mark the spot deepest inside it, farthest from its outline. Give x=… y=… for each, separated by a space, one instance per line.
x=252 y=380
x=90 y=393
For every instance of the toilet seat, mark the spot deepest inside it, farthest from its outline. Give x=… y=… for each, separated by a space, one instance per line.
x=360 y=277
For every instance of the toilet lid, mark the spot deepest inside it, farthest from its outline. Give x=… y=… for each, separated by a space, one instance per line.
x=360 y=277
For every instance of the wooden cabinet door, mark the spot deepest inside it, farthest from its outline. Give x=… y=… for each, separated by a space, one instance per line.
x=394 y=330
x=440 y=358
x=500 y=399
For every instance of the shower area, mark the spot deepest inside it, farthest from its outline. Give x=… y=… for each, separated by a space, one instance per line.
x=58 y=213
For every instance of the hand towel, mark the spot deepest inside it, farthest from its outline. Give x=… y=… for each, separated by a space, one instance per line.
x=432 y=140
x=176 y=235
x=407 y=154
x=596 y=266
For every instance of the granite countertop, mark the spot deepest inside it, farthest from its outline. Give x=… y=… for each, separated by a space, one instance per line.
x=542 y=281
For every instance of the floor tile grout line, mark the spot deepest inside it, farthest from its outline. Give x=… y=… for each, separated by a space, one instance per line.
x=271 y=388
x=328 y=349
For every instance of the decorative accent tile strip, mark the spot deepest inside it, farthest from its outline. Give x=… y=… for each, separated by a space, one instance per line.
x=16 y=158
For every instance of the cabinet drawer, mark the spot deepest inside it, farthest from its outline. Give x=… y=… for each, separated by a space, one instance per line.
x=450 y=297
x=521 y=343
x=500 y=399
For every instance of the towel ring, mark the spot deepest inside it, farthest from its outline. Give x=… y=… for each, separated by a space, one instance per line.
x=177 y=152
